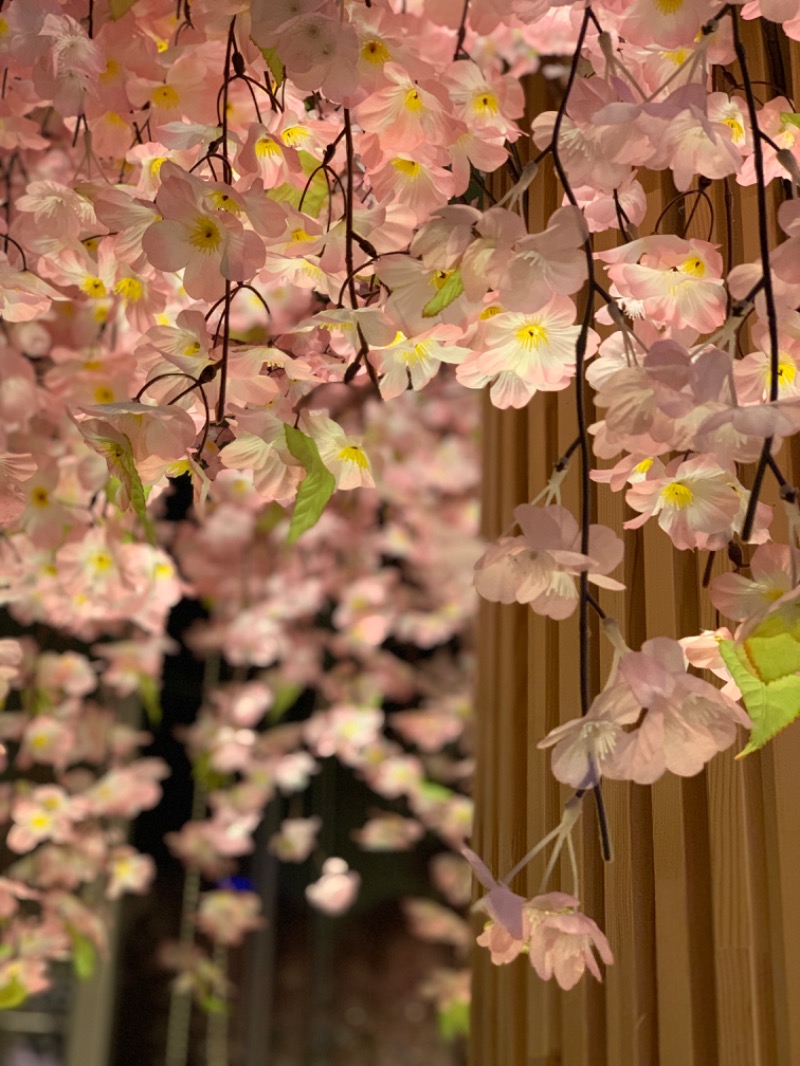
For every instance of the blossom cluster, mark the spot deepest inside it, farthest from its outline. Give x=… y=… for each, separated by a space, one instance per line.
x=239 y=240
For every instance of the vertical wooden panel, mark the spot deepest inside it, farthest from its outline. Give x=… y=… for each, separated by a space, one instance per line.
x=700 y=903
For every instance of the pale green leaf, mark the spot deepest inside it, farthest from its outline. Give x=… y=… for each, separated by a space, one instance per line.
x=12 y=994
x=286 y=696
x=118 y=454
x=772 y=705
x=773 y=657
x=433 y=792
x=316 y=488
x=83 y=955
x=316 y=195
x=454 y=1020
x=213 y=1004
x=150 y=695
x=276 y=67
x=450 y=290
x=790 y=118
x=118 y=8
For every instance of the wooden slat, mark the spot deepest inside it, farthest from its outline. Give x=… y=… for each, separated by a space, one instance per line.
x=700 y=903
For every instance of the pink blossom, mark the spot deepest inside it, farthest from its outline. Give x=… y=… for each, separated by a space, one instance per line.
x=129 y=871
x=698 y=504
x=200 y=234
x=296 y=838
x=388 y=832
x=226 y=916
x=336 y=889
x=540 y=566
x=563 y=941
x=773 y=573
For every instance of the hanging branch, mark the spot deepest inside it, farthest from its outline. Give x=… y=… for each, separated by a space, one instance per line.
x=769 y=295
x=580 y=409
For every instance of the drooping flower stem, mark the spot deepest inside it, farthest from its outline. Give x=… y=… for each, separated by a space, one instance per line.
x=763 y=242
x=580 y=409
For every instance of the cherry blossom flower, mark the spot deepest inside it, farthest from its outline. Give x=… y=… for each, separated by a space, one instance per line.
x=773 y=573
x=698 y=504
x=227 y=916
x=296 y=838
x=563 y=941
x=200 y=234
x=336 y=889
x=540 y=566
x=526 y=353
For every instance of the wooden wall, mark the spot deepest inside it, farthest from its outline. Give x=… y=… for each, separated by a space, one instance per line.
x=702 y=901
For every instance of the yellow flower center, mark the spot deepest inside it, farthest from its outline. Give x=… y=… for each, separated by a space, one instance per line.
x=533 y=336
x=40 y=497
x=643 y=467
x=490 y=312
x=669 y=7
x=103 y=394
x=694 y=265
x=678 y=57
x=265 y=146
x=375 y=52
x=293 y=136
x=165 y=96
x=407 y=167
x=101 y=562
x=735 y=127
x=412 y=356
x=111 y=71
x=413 y=102
x=787 y=372
x=677 y=495
x=353 y=454
x=205 y=235
x=439 y=277
x=130 y=289
x=192 y=349
x=485 y=103
x=3 y=27
x=301 y=235
x=223 y=202
x=156 y=164
x=93 y=287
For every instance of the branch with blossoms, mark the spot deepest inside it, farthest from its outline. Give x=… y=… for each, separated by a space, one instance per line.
x=224 y=235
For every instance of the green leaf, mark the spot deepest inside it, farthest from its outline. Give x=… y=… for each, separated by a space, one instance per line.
x=454 y=1020
x=271 y=516
x=285 y=698
x=316 y=194
x=83 y=955
x=773 y=704
x=316 y=488
x=12 y=994
x=118 y=454
x=451 y=289
x=790 y=118
x=150 y=695
x=205 y=774
x=276 y=67
x=433 y=792
x=212 y=1004
x=118 y=8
